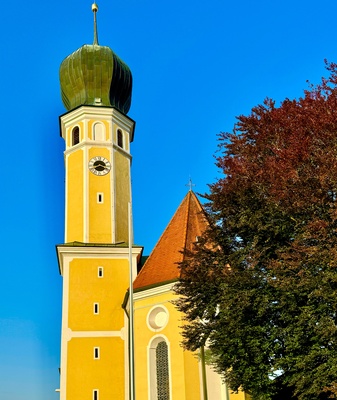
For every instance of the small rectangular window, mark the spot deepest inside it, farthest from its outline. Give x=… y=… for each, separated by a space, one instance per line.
x=96 y=308
x=100 y=198
x=96 y=353
x=95 y=394
x=100 y=272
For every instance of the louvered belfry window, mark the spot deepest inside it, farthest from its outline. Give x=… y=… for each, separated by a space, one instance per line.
x=76 y=135
x=120 y=138
x=162 y=369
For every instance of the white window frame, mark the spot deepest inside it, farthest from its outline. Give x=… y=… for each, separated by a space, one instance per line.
x=97 y=351
x=152 y=366
x=100 y=198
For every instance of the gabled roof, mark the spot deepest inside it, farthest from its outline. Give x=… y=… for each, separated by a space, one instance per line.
x=188 y=222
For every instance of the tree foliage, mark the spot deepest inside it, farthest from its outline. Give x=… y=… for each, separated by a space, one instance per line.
x=261 y=286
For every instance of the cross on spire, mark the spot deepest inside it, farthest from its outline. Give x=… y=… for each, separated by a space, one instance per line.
x=190 y=184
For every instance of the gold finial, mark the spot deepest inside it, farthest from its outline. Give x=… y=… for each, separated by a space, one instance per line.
x=94 y=8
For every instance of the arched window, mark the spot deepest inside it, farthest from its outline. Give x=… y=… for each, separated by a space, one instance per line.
x=162 y=369
x=75 y=135
x=99 y=132
x=120 y=138
x=159 y=370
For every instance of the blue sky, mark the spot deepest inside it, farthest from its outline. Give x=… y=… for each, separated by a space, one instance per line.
x=196 y=65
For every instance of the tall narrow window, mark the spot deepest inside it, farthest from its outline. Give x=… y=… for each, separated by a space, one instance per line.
x=159 y=370
x=100 y=272
x=95 y=394
x=75 y=135
x=100 y=198
x=162 y=369
x=96 y=308
x=120 y=138
x=96 y=353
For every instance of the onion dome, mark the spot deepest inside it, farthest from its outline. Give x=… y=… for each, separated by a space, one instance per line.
x=95 y=75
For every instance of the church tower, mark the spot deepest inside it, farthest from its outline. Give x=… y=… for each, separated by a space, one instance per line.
x=95 y=257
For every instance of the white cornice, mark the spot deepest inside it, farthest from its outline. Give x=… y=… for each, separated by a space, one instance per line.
x=87 y=143
x=69 y=334
x=97 y=113
x=77 y=251
x=90 y=143
x=122 y=151
x=67 y=253
x=154 y=291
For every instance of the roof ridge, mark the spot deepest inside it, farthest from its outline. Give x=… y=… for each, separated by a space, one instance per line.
x=148 y=260
x=186 y=219
x=169 y=251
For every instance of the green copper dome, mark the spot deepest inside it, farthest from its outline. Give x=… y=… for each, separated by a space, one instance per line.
x=94 y=75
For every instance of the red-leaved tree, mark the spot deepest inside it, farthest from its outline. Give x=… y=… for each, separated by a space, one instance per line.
x=261 y=287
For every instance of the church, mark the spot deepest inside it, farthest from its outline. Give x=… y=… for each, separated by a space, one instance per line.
x=120 y=335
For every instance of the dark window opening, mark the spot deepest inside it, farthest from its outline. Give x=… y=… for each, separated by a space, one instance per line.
x=162 y=369
x=76 y=135
x=96 y=352
x=120 y=138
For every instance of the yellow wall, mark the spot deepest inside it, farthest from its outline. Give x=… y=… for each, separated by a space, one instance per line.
x=89 y=330
x=185 y=372
x=88 y=220
x=182 y=382
x=192 y=376
x=86 y=288
x=75 y=193
x=84 y=373
x=237 y=396
x=100 y=215
x=122 y=168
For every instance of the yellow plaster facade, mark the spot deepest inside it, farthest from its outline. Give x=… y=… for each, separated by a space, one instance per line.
x=94 y=343
x=87 y=288
x=86 y=373
x=183 y=366
x=97 y=205
x=94 y=261
x=156 y=319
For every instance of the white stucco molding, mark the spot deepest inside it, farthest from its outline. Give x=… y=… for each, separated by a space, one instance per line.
x=153 y=291
x=67 y=252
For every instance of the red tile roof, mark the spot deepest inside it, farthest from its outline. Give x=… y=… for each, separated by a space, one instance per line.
x=188 y=222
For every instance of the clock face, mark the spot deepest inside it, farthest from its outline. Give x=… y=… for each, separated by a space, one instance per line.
x=99 y=166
